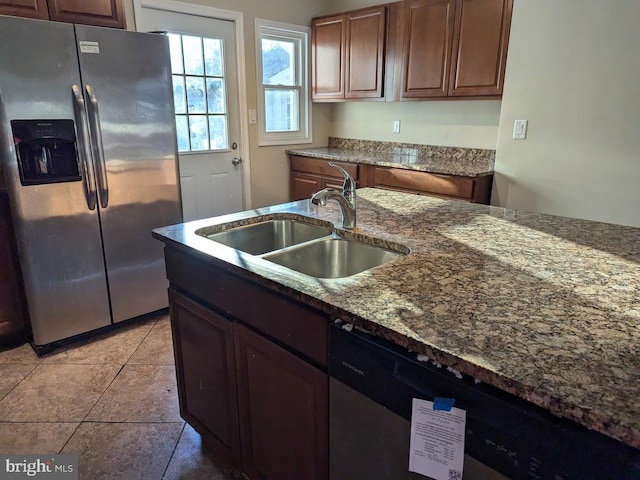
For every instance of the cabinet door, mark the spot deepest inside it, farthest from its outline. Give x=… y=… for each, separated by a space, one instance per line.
x=104 y=13
x=479 y=52
x=303 y=185
x=205 y=369
x=328 y=57
x=471 y=189
x=331 y=182
x=365 y=53
x=428 y=36
x=283 y=404
x=25 y=8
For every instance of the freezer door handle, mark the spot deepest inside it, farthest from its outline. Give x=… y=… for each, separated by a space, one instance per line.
x=89 y=179
x=96 y=145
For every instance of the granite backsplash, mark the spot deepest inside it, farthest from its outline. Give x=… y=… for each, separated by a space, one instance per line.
x=458 y=153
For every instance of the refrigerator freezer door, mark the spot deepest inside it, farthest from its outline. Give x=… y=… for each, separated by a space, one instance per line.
x=127 y=75
x=58 y=236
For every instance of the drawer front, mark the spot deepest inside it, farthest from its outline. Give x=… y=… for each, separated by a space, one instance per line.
x=322 y=167
x=296 y=326
x=303 y=185
x=448 y=185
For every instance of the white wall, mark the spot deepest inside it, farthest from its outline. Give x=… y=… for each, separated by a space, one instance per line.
x=573 y=71
x=454 y=123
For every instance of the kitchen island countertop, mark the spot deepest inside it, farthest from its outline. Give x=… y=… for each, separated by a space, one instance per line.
x=544 y=307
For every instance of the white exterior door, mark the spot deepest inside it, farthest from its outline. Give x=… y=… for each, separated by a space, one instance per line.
x=205 y=85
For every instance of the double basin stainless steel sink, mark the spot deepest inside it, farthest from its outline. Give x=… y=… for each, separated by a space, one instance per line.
x=306 y=245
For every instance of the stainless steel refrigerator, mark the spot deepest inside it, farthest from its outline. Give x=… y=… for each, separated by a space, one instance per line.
x=87 y=146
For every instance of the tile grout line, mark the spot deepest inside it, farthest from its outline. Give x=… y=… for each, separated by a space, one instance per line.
x=83 y=421
x=21 y=380
x=117 y=374
x=69 y=439
x=175 y=447
x=143 y=339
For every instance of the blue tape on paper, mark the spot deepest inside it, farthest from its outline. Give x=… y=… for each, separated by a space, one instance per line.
x=444 y=404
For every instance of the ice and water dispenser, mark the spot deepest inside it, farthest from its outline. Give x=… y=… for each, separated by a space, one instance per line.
x=46 y=151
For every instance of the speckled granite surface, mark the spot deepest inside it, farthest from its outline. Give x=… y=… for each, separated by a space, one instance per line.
x=468 y=162
x=544 y=307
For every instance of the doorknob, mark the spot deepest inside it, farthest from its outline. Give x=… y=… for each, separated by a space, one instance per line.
x=236 y=161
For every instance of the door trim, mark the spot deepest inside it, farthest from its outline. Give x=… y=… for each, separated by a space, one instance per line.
x=238 y=27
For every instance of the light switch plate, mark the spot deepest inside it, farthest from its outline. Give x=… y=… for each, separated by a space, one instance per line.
x=396 y=126
x=520 y=129
x=252 y=116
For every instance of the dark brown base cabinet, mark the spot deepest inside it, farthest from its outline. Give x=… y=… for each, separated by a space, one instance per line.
x=205 y=366
x=308 y=175
x=251 y=370
x=284 y=411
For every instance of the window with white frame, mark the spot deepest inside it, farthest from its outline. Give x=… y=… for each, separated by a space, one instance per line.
x=284 y=112
x=199 y=86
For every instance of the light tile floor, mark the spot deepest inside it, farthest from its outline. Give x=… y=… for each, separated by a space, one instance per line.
x=111 y=399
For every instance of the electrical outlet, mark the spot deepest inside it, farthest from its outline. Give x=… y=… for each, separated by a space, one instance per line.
x=396 y=126
x=520 y=129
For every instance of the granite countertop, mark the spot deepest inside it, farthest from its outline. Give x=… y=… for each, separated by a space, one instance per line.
x=544 y=307
x=422 y=163
x=466 y=162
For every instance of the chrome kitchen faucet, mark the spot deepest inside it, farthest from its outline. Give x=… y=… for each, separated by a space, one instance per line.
x=346 y=199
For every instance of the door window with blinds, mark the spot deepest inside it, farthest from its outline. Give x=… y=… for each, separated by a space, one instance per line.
x=283 y=93
x=199 y=92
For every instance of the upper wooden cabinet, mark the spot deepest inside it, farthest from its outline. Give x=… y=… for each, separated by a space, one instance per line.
x=479 y=49
x=365 y=53
x=328 y=38
x=412 y=50
x=25 y=8
x=348 y=52
x=104 y=13
x=427 y=48
x=455 y=47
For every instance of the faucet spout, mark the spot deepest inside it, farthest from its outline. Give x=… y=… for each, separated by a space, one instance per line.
x=346 y=199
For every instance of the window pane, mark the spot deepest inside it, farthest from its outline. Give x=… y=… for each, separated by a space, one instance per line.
x=213 y=57
x=278 y=62
x=175 y=49
x=182 y=133
x=199 y=134
x=192 y=47
x=281 y=110
x=218 y=129
x=195 y=95
x=179 y=98
x=215 y=95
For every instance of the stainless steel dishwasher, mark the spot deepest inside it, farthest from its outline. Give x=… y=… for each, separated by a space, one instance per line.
x=373 y=382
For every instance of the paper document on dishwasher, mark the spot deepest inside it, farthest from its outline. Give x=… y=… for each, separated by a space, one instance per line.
x=437 y=441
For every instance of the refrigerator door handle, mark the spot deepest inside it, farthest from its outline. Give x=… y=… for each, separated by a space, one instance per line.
x=89 y=179
x=96 y=143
